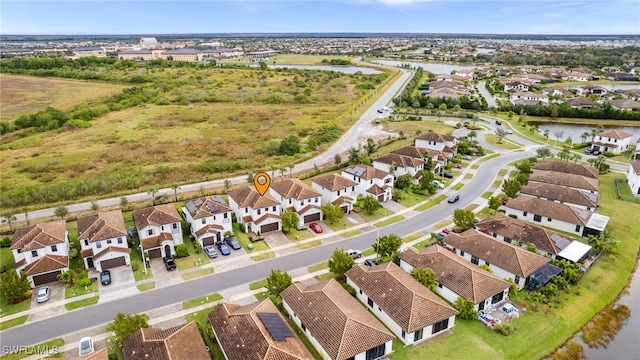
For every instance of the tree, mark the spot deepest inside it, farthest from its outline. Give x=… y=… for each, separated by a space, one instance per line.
x=124 y=203
x=486 y=268
x=153 y=191
x=392 y=167
x=26 y=210
x=175 y=188
x=14 y=287
x=340 y=262
x=472 y=134
x=354 y=156
x=370 y=147
x=370 y=204
x=466 y=308
x=544 y=152
x=593 y=134
x=564 y=154
x=250 y=178
x=61 y=211
x=524 y=167
x=290 y=167
x=426 y=181
x=182 y=250
x=584 y=136
x=425 y=277
x=125 y=325
x=337 y=159
x=463 y=219
x=511 y=187
x=290 y=220
x=276 y=283
x=532 y=247
x=227 y=185
x=273 y=169
x=576 y=158
x=332 y=212
x=501 y=134
x=9 y=218
x=388 y=246
x=289 y=146
x=94 y=206
x=494 y=203
x=404 y=181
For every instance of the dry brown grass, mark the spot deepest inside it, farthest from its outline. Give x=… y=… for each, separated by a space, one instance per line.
x=604 y=326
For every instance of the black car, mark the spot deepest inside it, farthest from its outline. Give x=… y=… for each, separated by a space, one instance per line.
x=233 y=242
x=105 y=277
x=169 y=263
x=370 y=262
x=448 y=175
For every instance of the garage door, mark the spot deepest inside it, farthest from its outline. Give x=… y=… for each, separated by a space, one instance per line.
x=208 y=241
x=155 y=253
x=312 y=217
x=268 y=227
x=345 y=209
x=111 y=263
x=46 y=278
x=381 y=197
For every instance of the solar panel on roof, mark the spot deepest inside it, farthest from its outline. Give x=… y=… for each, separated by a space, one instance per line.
x=191 y=207
x=560 y=241
x=197 y=202
x=212 y=207
x=219 y=200
x=275 y=326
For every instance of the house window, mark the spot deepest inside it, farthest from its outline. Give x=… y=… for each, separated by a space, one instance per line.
x=259 y=211
x=517 y=279
x=360 y=291
x=577 y=228
x=403 y=334
x=34 y=253
x=371 y=181
x=316 y=200
x=495 y=235
x=524 y=213
x=474 y=260
x=338 y=192
x=439 y=326
x=487 y=263
x=246 y=210
x=289 y=201
x=109 y=241
x=417 y=336
x=86 y=242
x=174 y=225
x=497 y=297
x=379 y=308
x=214 y=218
x=273 y=209
x=98 y=245
x=204 y=221
x=54 y=248
x=548 y=219
x=162 y=226
x=375 y=353
x=506 y=239
x=119 y=240
x=537 y=218
x=461 y=252
x=588 y=208
x=369 y=301
x=304 y=328
x=150 y=232
x=225 y=216
x=440 y=286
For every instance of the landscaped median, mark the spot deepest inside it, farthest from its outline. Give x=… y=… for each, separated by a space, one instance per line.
x=201 y=300
x=81 y=303
x=13 y=322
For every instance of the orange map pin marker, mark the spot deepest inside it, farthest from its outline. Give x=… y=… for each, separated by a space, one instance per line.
x=262 y=181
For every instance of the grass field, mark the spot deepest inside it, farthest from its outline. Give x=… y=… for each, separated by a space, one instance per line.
x=78 y=290
x=81 y=303
x=13 y=322
x=351 y=233
x=389 y=221
x=431 y=203
x=492 y=139
x=318 y=267
x=265 y=256
x=146 y=286
x=201 y=301
x=258 y=284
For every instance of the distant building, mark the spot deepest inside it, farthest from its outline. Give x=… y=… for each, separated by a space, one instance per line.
x=148 y=42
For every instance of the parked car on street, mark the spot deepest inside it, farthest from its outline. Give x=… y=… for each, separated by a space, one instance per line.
x=370 y=262
x=210 y=251
x=453 y=198
x=315 y=227
x=233 y=242
x=354 y=253
x=439 y=184
x=467 y=157
x=43 y=294
x=441 y=235
x=448 y=175
x=105 y=277
x=169 y=263
x=85 y=346
x=224 y=249
x=447 y=230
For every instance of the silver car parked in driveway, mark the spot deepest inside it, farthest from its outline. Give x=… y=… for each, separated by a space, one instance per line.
x=43 y=294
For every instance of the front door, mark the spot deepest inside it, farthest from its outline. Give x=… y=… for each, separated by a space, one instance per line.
x=90 y=263
x=167 y=250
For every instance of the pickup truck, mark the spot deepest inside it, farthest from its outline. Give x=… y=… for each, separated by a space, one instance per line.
x=169 y=263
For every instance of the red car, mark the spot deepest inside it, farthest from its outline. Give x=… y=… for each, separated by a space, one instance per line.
x=458 y=166
x=315 y=227
x=447 y=231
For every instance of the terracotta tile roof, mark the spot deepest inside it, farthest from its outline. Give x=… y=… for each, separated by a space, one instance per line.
x=580 y=102
x=102 y=226
x=341 y=200
x=250 y=197
x=635 y=165
x=243 y=336
x=375 y=190
x=366 y=172
x=334 y=182
x=561 y=193
x=206 y=207
x=566 y=167
x=550 y=209
x=182 y=342
x=307 y=208
x=452 y=271
x=156 y=216
x=210 y=228
x=399 y=160
x=409 y=304
x=109 y=249
x=87 y=252
x=340 y=324
x=431 y=136
x=412 y=151
x=615 y=133
x=514 y=259
x=294 y=188
x=544 y=239
x=47 y=263
x=40 y=235
x=564 y=179
x=265 y=217
x=155 y=241
x=604 y=143
x=19 y=264
x=101 y=354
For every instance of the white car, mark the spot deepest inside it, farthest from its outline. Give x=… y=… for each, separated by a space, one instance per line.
x=43 y=294
x=354 y=253
x=439 y=184
x=85 y=346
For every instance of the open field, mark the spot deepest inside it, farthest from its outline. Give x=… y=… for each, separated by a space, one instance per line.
x=409 y=128
x=296 y=59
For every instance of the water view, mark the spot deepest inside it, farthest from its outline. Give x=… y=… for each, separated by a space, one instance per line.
x=430 y=67
x=341 y=69
x=574 y=131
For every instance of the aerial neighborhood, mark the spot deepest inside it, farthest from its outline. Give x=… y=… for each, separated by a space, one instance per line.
x=239 y=209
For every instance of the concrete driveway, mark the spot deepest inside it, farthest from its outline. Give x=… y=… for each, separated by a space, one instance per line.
x=48 y=309
x=122 y=283
x=161 y=275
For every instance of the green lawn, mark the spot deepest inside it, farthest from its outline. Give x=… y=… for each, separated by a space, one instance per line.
x=261 y=295
x=325 y=276
x=339 y=225
x=136 y=262
x=146 y=286
x=201 y=301
x=431 y=203
x=409 y=199
x=475 y=166
x=81 y=303
x=410 y=238
x=318 y=267
x=368 y=252
x=378 y=214
x=13 y=322
x=8 y=309
x=243 y=239
x=197 y=273
x=351 y=233
x=53 y=345
x=389 y=221
x=422 y=244
x=193 y=259
x=258 y=284
x=299 y=59
x=265 y=256
x=309 y=244
x=6 y=258
x=497 y=183
x=458 y=186
x=487 y=194
x=297 y=235
x=78 y=290
x=502 y=172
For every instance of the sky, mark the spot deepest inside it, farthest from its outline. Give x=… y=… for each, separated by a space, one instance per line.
x=26 y=17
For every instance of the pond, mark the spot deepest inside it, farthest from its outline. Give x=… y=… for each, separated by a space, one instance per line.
x=341 y=69
x=576 y=130
x=430 y=67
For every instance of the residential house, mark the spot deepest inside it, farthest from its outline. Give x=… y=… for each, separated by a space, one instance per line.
x=633 y=175
x=456 y=277
x=557 y=216
x=564 y=195
x=581 y=103
x=515 y=86
x=296 y=196
x=210 y=219
x=575 y=76
x=505 y=260
x=557 y=91
x=613 y=141
x=371 y=181
x=579 y=182
x=337 y=190
x=589 y=90
x=625 y=104
x=528 y=98
x=547 y=242
x=435 y=158
x=182 y=342
x=410 y=310
x=631 y=94
x=566 y=167
x=101 y=354
x=255 y=331
x=467 y=74
x=257 y=213
x=41 y=251
x=434 y=141
x=444 y=77
x=103 y=240
x=335 y=323
x=159 y=229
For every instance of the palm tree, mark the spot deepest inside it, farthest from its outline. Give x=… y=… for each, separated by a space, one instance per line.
x=501 y=134
x=584 y=136
x=227 y=185
x=94 y=206
x=593 y=133
x=61 y=211
x=175 y=188
x=392 y=167
x=282 y=172
x=26 y=210
x=9 y=218
x=153 y=191
x=124 y=202
x=273 y=171
x=576 y=157
x=290 y=167
x=472 y=134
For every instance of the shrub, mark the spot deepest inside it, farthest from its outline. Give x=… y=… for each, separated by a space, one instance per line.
x=349 y=289
x=182 y=250
x=506 y=328
x=84 y=282
x=6 y=241
x=134 y=267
